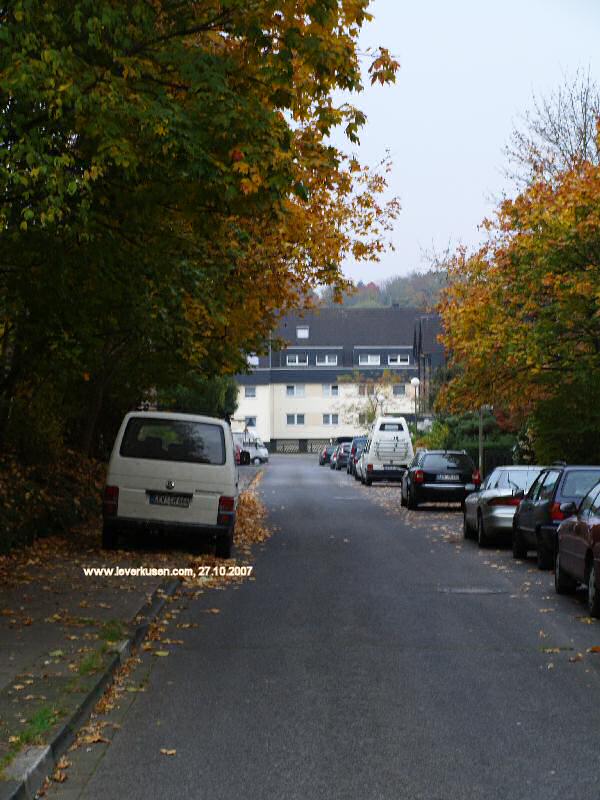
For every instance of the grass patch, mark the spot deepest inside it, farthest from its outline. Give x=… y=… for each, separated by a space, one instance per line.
x=90 y=664
x=112 y=631
x=33 y=732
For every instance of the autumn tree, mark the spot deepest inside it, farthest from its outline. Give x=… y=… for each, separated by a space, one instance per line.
x=167 y=189
x=522 y=315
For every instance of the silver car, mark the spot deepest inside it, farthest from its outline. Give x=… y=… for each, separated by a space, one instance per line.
x=489 y=512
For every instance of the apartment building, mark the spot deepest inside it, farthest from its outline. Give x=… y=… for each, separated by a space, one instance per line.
x=329 y=370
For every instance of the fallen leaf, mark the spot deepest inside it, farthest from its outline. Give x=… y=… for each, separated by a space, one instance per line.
x=577 y=657
x=594 y=649
x=18 y=687
x=166 y=752
x=161 y=653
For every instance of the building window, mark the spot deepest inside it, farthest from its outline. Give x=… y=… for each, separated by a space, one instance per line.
x=366 y=389
x=250 y=391
x=362 y=419
x=326 y=360
x=295 y=419
x=369 y=359
x=295 y=390
x=330 y=390
x=297 y=359
x=330 y=419
x=250 y=422
x=302 y=332
x=399 y=389
x=252 y=360
x=398 y=359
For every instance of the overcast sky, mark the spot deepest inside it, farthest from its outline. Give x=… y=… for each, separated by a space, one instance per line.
x=468 y=69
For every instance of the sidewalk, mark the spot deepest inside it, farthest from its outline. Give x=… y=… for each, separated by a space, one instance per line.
x=59 y=628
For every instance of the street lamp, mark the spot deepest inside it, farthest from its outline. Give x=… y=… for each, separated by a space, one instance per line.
x=415 y=383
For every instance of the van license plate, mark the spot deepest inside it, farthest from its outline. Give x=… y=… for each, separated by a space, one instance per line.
x=162 y=499
x=390 y=466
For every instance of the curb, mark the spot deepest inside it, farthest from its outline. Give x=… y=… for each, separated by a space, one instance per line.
x=31 y=766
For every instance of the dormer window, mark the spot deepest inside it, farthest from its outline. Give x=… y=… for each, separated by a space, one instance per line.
x=302 y=332
x=398 y=359
x=369 y=359
x=297 y=360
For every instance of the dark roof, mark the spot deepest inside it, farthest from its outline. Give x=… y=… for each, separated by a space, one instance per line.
x=427 y=330
x=351 y=327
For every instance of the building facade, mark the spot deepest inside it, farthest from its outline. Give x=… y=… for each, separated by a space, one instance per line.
x=328 y=372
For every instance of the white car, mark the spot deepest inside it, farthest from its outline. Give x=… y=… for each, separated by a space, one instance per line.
x=253 y=445
x=388 y=451
x=171 y=472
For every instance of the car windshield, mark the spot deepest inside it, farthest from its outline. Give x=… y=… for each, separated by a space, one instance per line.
x=444 y=462
x=173 y=440
x=579 y=481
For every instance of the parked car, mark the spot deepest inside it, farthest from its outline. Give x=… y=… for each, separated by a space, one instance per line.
x=253 y=445
x=326 y=453
x=578 y=549
x=334 y=456
x=387 y=452
x=489 y=512
x=440 y=476
x=172 y=472
x=356 y=448
x=538 y=515
x=343 y=455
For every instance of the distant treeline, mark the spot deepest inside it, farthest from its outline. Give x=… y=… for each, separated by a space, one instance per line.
x=415 y=290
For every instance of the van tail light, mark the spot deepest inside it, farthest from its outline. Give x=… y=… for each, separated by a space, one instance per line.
x=555 y=513
x=226 y=509
x=369 y=467
x=504 y=501
x=476 y=477
x=110 y=503
x=419 y=476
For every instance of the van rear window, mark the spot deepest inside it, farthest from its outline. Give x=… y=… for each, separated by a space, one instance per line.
x=391 y=426
x=174 y=440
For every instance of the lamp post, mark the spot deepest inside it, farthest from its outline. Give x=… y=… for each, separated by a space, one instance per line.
x=415 y=383
x=481 y=410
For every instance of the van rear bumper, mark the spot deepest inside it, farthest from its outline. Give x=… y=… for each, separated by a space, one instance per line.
x=127 y=525
x=386 y=474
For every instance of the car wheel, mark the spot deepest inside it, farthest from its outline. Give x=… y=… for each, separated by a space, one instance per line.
x=467 y=533
x=482 y=537
x=410 y=500
x=593 y=595
x=563 y=583
x=224 y=545
x=368 y=482
x=256 y=461
x=110 y=537
x=545 y=558
x=402 y=500
x=519 y=550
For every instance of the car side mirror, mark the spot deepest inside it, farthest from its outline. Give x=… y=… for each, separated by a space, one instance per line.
x=244 y=458
x=519 y=494
x=568 y=509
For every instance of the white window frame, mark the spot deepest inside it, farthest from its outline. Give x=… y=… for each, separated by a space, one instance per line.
x=331 y=390
x=399 y=386
x=302 y=332
x=298 y=389
x=327 y=359
x=331 y=419
x=252 y=360
x=250 y=391
x=369 y=359
x=297 y=359
x=295 y=419
x=247 y=423
x=399 y=359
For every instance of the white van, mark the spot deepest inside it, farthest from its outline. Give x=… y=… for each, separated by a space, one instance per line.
x=253 y=445
x=388 y=451
x=171 y=471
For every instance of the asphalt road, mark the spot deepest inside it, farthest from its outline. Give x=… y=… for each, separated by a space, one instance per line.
x=375 y=656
